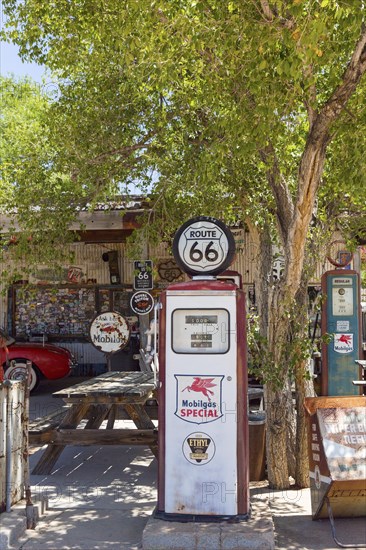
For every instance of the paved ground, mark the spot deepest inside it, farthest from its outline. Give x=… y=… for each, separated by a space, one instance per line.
x=102 y=498
x=295 y=529
x=98 y=498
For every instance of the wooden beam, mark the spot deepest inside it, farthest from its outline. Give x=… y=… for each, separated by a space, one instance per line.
x=103 y=235
x=102 y=437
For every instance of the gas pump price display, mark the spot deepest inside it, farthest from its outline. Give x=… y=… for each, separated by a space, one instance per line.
x=201 y=339
x=200 y=331
x=342 y=297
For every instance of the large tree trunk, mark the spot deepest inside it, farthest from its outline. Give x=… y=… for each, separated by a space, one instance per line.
x=277 y=408
x=274 y=327
x=304 y=388
x=286 y=427
x=276 y=299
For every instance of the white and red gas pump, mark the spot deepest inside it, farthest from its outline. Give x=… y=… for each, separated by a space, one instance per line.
x=203 y=427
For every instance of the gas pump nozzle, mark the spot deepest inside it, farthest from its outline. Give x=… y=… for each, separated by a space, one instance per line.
x=150 y=355
x=155 y=362
x=150 y=333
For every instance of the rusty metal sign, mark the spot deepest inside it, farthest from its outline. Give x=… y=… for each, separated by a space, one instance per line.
x=337 y=455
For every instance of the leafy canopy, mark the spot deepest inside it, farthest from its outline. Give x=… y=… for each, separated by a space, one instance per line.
x=205 y=93
x=36 y=201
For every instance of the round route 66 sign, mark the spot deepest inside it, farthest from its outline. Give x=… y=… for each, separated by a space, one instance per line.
x=203 y=246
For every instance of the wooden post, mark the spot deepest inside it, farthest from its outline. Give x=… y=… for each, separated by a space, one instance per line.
x=29 y=508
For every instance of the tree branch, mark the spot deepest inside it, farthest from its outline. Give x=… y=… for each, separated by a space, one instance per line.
x=313 y=159
x=310 y=102
x=284 y=203
x=319 y=137
x=268 y=13
x=126 y=150
x=271 y=15
x=341 y=95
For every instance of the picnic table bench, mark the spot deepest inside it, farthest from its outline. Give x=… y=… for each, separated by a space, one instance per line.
x=362 y=381
x=40 y=429
x=107 y=397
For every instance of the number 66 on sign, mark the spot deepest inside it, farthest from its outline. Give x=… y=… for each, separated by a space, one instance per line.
x=203 y=246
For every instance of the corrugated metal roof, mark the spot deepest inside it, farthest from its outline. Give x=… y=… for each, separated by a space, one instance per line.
x=133 y=202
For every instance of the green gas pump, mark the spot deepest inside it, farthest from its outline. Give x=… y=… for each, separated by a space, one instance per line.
x=341 y=319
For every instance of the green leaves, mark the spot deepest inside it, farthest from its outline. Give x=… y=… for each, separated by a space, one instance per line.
x=36 y=201
x=192 y=92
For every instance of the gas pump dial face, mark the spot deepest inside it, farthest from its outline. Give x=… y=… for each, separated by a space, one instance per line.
x=200 y=331
x=342 y=301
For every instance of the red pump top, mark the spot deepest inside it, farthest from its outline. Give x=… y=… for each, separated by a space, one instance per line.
x=203 y=284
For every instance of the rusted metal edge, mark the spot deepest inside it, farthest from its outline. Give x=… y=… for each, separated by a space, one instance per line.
x=311 y=404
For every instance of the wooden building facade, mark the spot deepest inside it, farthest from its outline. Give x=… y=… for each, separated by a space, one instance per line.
x=60 y=308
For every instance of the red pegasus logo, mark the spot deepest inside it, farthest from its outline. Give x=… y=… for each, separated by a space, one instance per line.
x=202 y=385
x=110 y=329
x=345 y=338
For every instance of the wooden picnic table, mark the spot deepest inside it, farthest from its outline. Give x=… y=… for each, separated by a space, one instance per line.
x=362 y=365
x=96 y=400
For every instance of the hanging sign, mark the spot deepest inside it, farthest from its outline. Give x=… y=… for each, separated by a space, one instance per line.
x=142 y=303
x=143 y=279
x=203 y=246
x=344 y=258
x=109 y=332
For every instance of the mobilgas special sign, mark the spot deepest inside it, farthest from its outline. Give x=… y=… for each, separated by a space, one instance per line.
x=198 y=398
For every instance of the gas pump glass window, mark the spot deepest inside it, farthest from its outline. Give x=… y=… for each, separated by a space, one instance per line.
x=200 y=331
x=342 y=301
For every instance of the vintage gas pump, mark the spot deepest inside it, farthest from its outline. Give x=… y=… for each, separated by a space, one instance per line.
x=341 y=317
x=336 y=427
x=203 y=428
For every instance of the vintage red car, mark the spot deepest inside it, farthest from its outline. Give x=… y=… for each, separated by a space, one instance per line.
x=47 y=361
